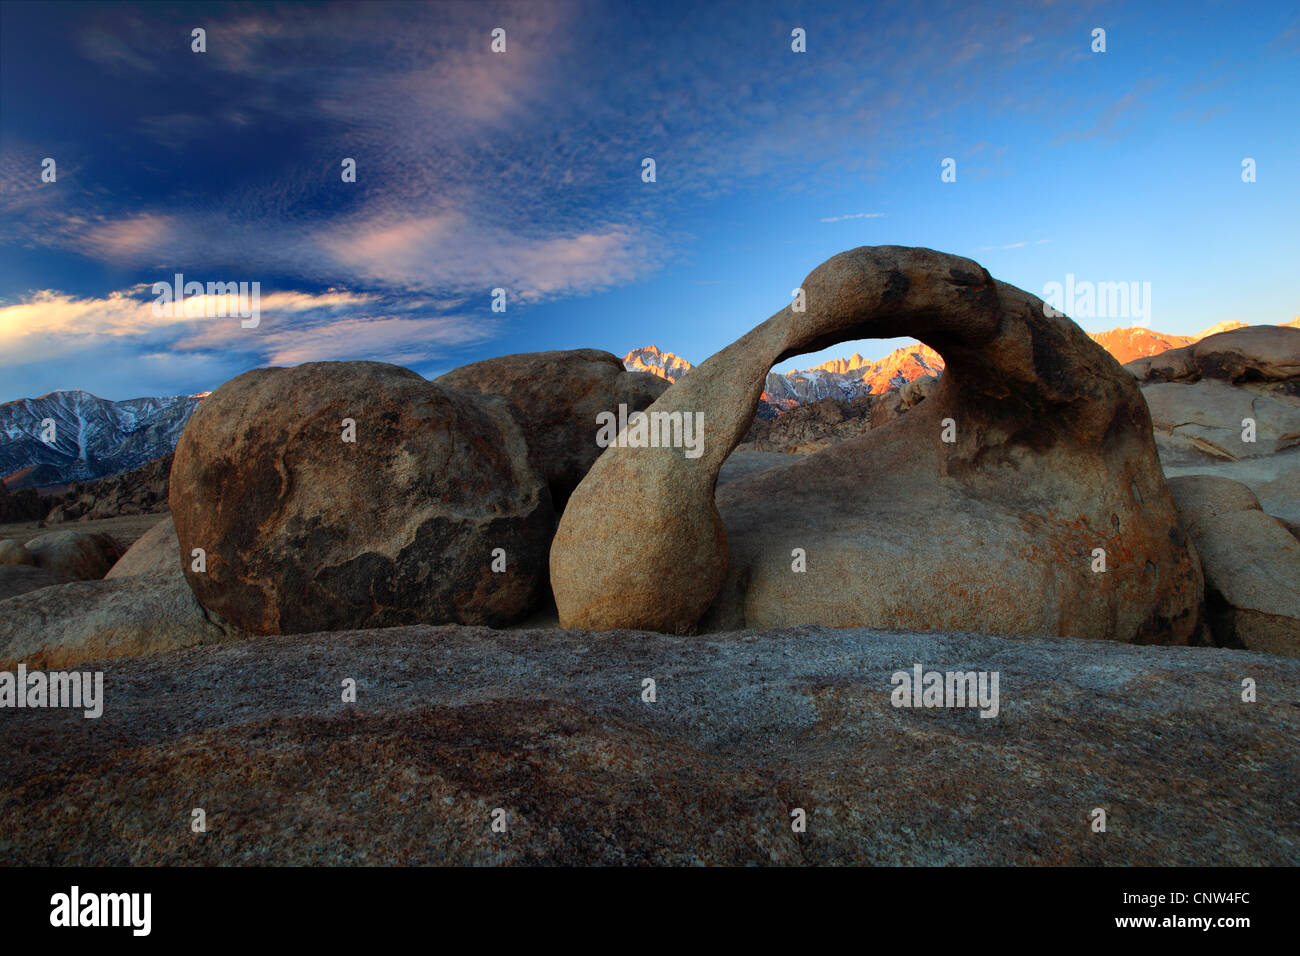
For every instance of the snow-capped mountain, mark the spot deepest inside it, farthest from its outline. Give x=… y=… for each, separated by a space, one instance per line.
x=842 y=379
x=846 y=379
x=76 y=436
x=650 y=359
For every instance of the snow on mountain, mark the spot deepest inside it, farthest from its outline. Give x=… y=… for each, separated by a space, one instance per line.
x=650 y=359
x=73 y=435
x=842 y=379
x=846 y=379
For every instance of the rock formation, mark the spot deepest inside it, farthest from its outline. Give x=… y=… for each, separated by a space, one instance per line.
x=75 y=555
x=70 y=624
x=1251 y=563
x=557 y=396
x=15 y=552
x=140 y=491
x=157 y=550
x=1229 y=406
x=1051 y=459
x=305 y=530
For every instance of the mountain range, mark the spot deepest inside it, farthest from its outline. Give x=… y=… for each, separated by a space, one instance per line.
x=846 y=379
x=69 y=436
x=94 y=438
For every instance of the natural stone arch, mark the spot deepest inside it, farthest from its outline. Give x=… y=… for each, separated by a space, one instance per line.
x=1053 y=445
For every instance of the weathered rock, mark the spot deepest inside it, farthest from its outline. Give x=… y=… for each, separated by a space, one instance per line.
x=1202 y=496
x=807 y=428
x=69 y=624
x=743 y=463
x=18 y=579
x=15 y=552
x=557 y=396
x=1053 y=458
x=549 y=725
x=157 y=550
x=1206 y=420
x=1251 y=564
x=1251 y=354
x=75 y=555
x=917 y=391
x=305 y=531
x=142 y=490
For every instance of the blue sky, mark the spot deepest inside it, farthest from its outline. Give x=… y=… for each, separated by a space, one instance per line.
x=522 y=170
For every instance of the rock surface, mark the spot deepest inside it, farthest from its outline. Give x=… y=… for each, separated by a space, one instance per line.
x=14 y=552
x=157 y=550
x=75 y=555
x=305 y=531
x=557 y=396
x=451 y=723
x=1205 y=420
x=69 y=624
x=18 y=579
x=1053 y=458
x=1251 y=563
x=1201 y=396
x=1251 y=354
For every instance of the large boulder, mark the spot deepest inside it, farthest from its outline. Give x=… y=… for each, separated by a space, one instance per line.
x=557 y=396
x=995 y=531
x=75 y=555
x=303 y=530
x=1252 y=354
x=156 y=550
x=14 y=552
x=68 y=624
x=1251 y=564
x=1229 y=406
x=18 y=579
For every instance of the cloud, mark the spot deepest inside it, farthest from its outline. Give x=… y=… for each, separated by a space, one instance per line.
x=443 y=129
x=1011 y=245
x=294 y=327
x=1108 y=121
x=856 y=215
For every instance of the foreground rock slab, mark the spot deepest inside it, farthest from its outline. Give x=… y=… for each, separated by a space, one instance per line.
x=451 y=723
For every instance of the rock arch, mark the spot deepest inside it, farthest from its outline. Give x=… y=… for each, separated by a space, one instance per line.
x=1053 y=457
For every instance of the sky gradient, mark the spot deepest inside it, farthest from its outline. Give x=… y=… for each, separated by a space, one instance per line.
x=523 y=170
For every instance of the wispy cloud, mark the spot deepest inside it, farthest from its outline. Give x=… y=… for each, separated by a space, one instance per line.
x=294 y=327
x=1012 y=245
x=856 y=215
x=1116 y=119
